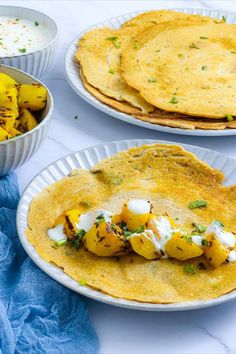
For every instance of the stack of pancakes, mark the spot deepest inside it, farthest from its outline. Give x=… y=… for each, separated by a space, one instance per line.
x=164 y=67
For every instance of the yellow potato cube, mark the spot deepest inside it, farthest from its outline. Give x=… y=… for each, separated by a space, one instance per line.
x=8 y=101
x=215 y=252
x=69 y=218
x=105 y=240
x=182 y=247
x=14 y=132
x=2 y=87
x=7 y=81
x=28 y=121
x=33 y=97
x=134 y=220
x=4 y=135
x=7 y=118
x=143 y=245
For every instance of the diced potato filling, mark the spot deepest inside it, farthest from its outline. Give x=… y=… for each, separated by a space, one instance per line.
x=17 y=101
x=151 y=236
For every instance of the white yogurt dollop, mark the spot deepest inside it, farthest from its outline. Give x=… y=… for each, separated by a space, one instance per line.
x=226 y=238
x=20 y=36
x=57 y=233
x=138 y=206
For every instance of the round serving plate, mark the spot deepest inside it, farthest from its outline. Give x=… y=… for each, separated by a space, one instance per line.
x=87 y=158
x=73 y=77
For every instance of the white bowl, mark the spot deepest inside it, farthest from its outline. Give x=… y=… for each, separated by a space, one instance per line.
x=16 y=151
x=38 y=62
x=86 y=159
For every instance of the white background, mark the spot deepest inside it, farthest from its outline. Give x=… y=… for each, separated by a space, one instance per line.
x=124 y=331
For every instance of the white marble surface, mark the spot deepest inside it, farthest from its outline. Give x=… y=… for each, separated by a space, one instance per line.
x=124 y=331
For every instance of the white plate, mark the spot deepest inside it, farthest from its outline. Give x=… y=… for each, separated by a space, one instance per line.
x=86 y=159
x=72 y=74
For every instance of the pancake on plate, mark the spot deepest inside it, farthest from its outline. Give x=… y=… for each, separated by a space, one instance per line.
x=151 y=224
x=187 y=83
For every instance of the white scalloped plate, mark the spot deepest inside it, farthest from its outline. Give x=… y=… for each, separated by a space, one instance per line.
x=72 y=74
x=86 y=159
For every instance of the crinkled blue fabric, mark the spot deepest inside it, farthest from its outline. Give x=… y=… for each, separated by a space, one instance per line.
x=37 y=315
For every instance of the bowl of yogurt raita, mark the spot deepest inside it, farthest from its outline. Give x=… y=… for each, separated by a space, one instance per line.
x=28 y=39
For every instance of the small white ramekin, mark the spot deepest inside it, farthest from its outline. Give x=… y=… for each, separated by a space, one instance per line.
x=38 y=62
x=14 y=152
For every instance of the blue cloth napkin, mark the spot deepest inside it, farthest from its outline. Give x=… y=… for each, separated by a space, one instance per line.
x=37 y=315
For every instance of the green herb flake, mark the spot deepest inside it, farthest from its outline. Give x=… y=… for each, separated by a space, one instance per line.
x=139 y=230
x=76 y=242
x=193 y=45
x=205 y=243
x=60 y=243
x=128 y=233
x=202 y=37
x=187 y=238
x=200 y=228
x=190 y=268
x=197 y=204
x=229 y=117
x=36 y=23
x=17 y=19
x=82 y=282
x=152 y=80
x=22 y=50
x=113 y=40
x=116 y=180
x=174 y=100
x=219 y=223
x=224 y=19
x=136 y=45
x=180 y=55
x=204 y=67
x=99 y=219
x=111 y=71
x=233 y=52
x=157 y=51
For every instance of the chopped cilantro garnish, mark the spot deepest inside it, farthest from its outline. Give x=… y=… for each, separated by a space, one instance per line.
x=136 y=45
x=200 y=228
x=116 y=180
x=205 y=243
x=193 y=46
x=202 y=37
x=219 y=223
x=204 y=67
x=158 y=51
x=60 y=243
x=224 y=19
x=229 y=117
x=152 y=80
x=82 y=282
x=180 y=55
x=36 y=23
x=190 y=268
x=99 y=219
x=128 y=233
x=17 y=19
x=139 y=230
x=111 y=71
x=197 y=204
x=76 y=242
x=187 y=238
x=22 y=50
x=113 y=40
x=174 y=100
